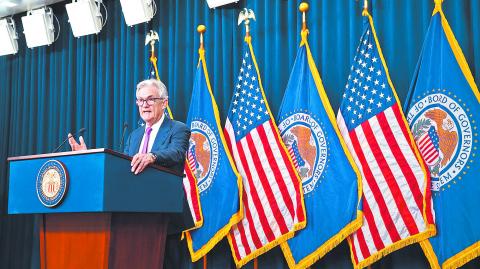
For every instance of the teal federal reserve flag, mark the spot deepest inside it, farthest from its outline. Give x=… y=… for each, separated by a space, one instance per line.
x=331 y=182
x=208 y=158
x=443 y=112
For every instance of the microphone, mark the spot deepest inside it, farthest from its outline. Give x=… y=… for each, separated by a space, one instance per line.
x=125 y=126
x=73 y=135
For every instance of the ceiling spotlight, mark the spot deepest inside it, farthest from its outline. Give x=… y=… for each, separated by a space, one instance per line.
x=8 y=37
x=38 y=27
x=138 y=11
x=85 y=17
x=217 y=3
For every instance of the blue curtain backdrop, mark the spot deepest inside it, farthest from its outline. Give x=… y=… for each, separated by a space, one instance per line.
x=90 y=82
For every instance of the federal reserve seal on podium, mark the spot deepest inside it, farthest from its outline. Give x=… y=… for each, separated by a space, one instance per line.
x=52 y=183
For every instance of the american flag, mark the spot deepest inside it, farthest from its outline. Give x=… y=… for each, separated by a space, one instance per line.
x=428 y=144
x=190 y=187
x=191 y=192
x=377 y=135
x=272 y=198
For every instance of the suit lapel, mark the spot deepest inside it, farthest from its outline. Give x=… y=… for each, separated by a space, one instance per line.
x=137 y=141
x=163 y=131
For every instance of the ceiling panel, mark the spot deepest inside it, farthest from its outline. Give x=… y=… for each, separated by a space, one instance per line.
x=11 y=7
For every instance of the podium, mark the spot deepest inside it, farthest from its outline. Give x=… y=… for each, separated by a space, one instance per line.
x=95 y=212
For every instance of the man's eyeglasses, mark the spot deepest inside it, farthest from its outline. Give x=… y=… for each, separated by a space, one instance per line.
x=149 y=101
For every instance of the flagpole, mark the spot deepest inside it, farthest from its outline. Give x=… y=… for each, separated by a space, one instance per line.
x=247 y=28
x=304 y=8
x=151 y=38
x=201 y=50
x=152 y=47
x=201 y=29
x=245 y=16
x=365 y=8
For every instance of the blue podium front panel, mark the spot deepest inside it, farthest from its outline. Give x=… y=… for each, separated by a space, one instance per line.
x=85 y=185
x=98 y=181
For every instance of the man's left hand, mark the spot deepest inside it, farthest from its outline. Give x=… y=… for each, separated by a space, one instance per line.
x=75 y=145
x=140 y=161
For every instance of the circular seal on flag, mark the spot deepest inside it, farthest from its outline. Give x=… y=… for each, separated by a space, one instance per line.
x=307 y=145
x=443 y=133
x=52 y=183
x=202 y=154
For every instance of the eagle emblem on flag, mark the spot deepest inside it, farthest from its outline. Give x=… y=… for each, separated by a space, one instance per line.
x=302 y=149
x=437 y=139
x=436 y=135
x=448 y=138
x=443 y=133
x=306 y=143
x=202 y=153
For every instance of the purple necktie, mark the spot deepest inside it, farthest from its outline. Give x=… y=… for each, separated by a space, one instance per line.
x=147 y=138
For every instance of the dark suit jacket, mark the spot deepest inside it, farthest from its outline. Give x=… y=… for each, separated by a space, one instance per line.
x=170 y=145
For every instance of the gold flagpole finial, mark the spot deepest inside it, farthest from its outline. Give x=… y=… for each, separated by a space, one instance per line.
x=151 y=38
x=365 y=7
x=245 y=16
x=303 y=8
x=201 y=29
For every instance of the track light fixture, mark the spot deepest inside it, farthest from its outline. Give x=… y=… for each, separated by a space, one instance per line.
x=8 y=37
x=85 y=17
x=138 y=11
x=38 y=27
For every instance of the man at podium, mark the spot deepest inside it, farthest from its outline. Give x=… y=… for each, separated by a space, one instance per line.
x=161 y=141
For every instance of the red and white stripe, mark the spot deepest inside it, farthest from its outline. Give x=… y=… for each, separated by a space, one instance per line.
x=393 y=182
x=191 y=192
x=271 y=197
x=429 y=153
x=292 y=155
x=191 y=161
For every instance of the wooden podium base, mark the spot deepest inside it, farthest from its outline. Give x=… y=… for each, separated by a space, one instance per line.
x=102 y=240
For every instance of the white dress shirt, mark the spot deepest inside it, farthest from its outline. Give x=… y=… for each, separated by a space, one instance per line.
x=153 y=135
